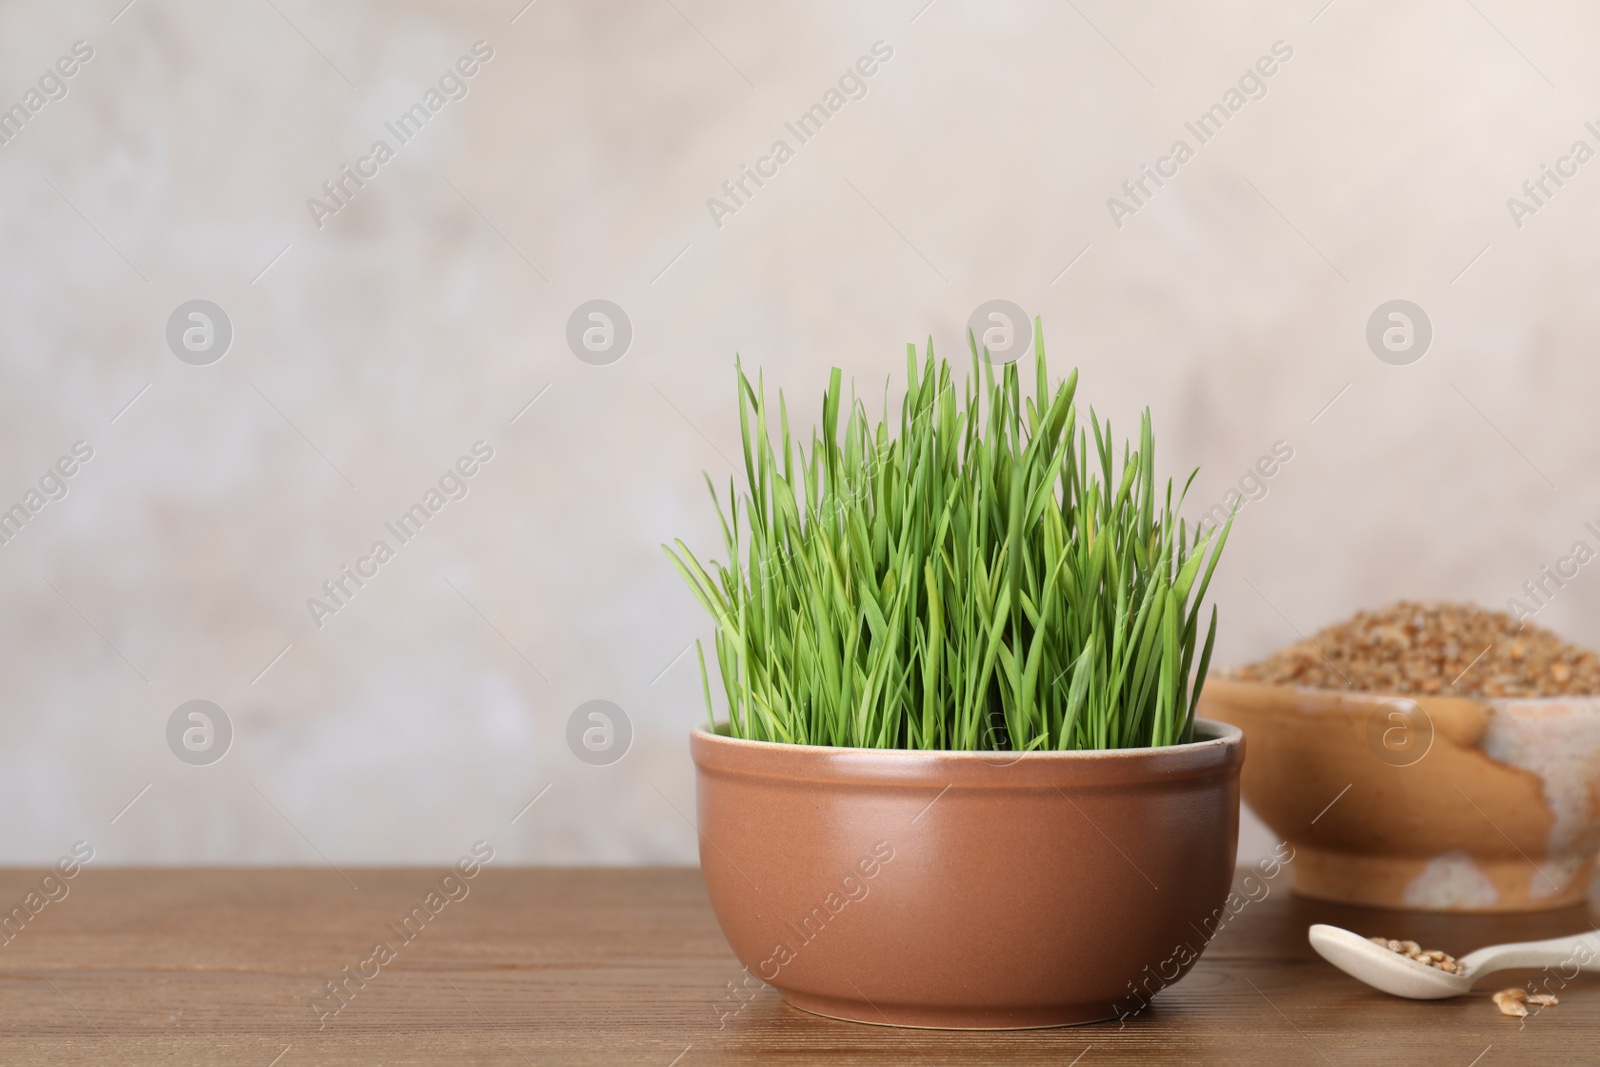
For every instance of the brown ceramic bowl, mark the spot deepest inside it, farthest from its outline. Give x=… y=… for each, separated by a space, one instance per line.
x=1424 y=803
x=968 y=890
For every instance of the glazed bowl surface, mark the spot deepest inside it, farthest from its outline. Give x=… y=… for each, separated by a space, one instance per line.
x=968 y=889
x=1425 y=803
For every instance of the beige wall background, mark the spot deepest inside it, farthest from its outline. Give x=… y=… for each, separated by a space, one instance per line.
x=372 y=352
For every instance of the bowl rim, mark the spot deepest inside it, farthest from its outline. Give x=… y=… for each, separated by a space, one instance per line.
x=1221 y=752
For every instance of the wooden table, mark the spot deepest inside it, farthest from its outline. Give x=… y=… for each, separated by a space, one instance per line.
x=539 y=966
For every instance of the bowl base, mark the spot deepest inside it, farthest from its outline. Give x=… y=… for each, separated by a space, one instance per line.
x=1454 y=883
x=948 y=1018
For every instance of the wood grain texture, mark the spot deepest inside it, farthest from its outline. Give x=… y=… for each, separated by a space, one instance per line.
x=541 y=966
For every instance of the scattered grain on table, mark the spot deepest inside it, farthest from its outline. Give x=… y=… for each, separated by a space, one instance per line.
x=1514 y=1001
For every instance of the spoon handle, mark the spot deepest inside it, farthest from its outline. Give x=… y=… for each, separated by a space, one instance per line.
x=1572 y=953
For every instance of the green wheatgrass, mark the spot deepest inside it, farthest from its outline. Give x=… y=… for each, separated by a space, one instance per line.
x=972 y=582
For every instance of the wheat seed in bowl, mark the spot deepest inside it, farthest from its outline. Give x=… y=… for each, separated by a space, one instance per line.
x=1427 y=648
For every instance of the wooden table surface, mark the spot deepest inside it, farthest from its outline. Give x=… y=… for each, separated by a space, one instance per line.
x=547 y=966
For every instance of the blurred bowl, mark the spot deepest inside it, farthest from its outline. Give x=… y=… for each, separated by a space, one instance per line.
x=1425 y=803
